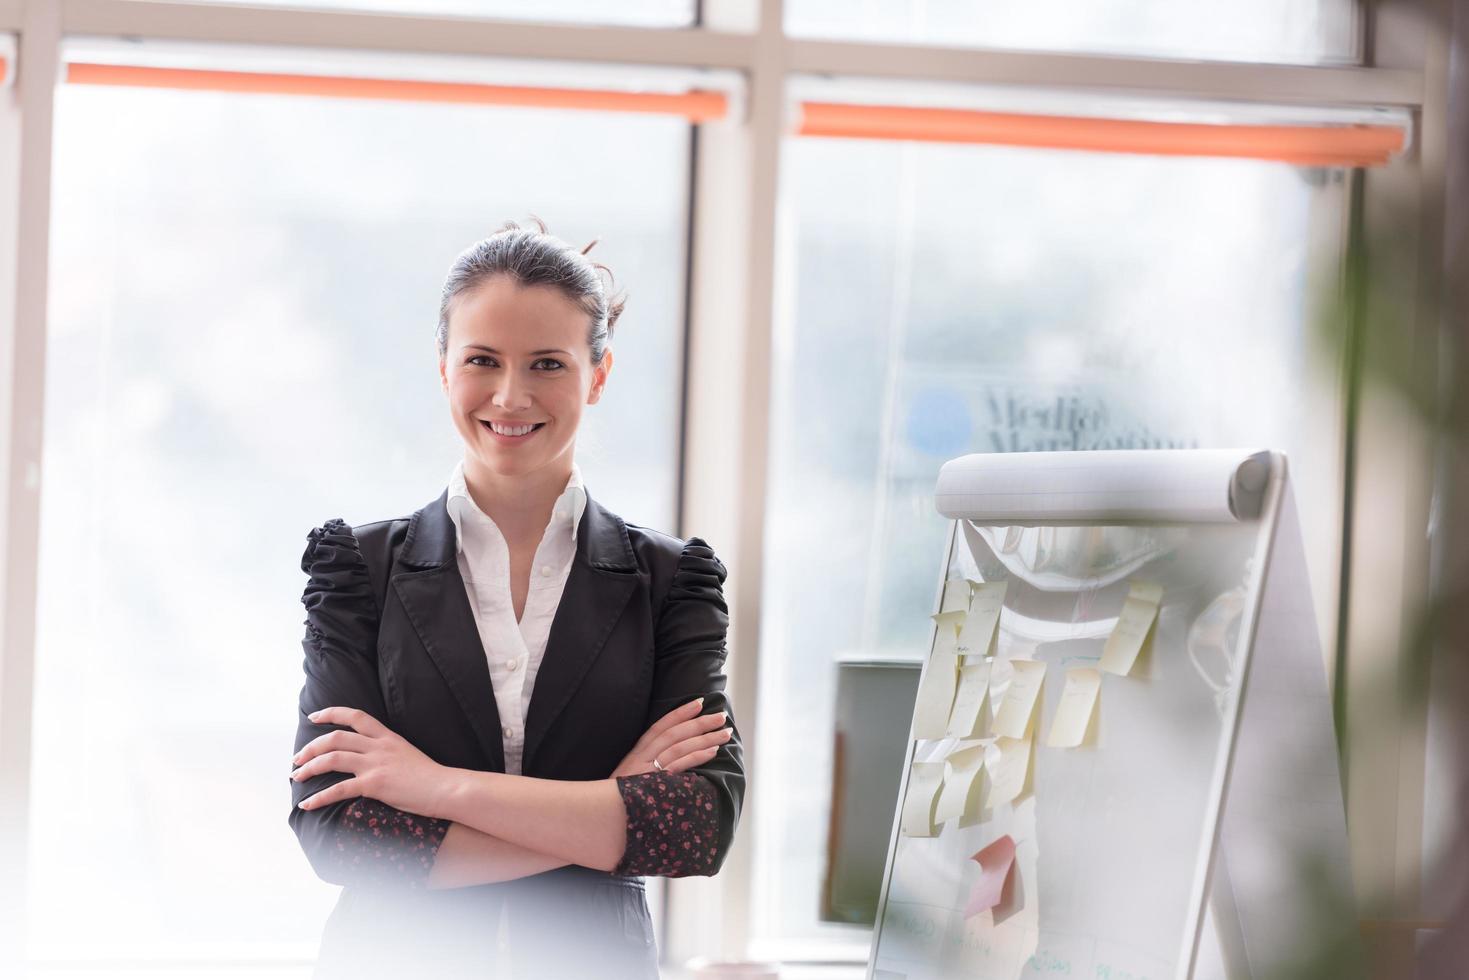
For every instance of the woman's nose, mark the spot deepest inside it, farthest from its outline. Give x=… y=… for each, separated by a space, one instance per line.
x=511 y=395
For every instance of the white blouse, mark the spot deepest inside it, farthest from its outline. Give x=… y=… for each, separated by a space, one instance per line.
x=513 y=649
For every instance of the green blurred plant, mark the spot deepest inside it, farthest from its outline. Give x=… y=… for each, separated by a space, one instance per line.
x=1385 y=321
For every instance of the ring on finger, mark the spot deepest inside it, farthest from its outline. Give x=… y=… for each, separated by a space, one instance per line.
x=657 y=765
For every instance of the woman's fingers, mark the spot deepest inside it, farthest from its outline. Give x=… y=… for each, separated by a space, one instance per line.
x=344 y=790
x=645 y=745
x=329 y=762
x=691 y=759
x=686 y=730
x=696 y=744
x=352 y=717
x=683 y=712
x=340 y=738
x=682 y=732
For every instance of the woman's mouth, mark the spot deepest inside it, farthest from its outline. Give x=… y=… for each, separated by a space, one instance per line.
x=511 y=433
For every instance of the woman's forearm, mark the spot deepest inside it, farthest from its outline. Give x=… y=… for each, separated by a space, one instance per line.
x=469 y=857
x=578 y=821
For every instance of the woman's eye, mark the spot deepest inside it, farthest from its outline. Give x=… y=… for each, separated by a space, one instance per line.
x=551 y=364
x=478 y=357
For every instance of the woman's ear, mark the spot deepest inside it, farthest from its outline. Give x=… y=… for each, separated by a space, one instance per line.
x=599 y=377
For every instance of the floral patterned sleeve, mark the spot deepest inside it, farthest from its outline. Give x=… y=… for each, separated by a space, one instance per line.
x=358 y=841
x=379 y=844
x=672 y=825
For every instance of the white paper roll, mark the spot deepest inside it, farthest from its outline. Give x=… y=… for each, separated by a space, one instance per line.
x=1118 y=486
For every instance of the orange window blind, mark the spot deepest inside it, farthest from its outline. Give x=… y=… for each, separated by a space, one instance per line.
x=1330 y=145
x=696 y=106
x=1354 y=145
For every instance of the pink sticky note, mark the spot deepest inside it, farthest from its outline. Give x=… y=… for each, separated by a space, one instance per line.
x=995 y=862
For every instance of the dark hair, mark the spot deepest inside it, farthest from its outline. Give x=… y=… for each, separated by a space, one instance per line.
x=536 y=258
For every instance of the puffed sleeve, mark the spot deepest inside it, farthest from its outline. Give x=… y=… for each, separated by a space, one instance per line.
x=358 y=841
x=681 y=824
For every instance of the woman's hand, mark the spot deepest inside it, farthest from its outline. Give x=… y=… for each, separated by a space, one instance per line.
x=679 y=740
x=385 y=765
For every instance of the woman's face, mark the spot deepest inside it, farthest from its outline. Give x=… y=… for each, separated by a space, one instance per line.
x=518 y=362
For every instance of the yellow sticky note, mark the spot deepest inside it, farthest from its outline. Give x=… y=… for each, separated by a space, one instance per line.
x=974 y=681
x=923 y=784
x=935 y=695
x=947 y=629
x=987 y=595
x=1007 y=761
x=1012 y=719
x=945 y=640
x=956 y=596
x=978 y=631
x=957 y=798
x=1074 y=713
x=1135 y=622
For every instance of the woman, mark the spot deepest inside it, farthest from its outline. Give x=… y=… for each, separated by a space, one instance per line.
x=514 y=700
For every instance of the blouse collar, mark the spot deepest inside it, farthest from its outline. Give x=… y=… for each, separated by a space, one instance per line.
x=568 y=508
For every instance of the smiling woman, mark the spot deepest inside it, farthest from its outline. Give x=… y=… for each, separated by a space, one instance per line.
x=528 y=394
x=514 y=703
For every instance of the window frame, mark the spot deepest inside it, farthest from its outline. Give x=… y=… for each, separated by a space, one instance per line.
x=731 y=298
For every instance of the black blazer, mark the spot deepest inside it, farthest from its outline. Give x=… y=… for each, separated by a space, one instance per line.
x=640 y=630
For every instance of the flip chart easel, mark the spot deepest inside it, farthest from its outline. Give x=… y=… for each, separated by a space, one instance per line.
x=1177 y=808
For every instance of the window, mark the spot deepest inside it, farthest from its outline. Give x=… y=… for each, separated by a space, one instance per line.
x=944 y=300
x=244 y=295
x=1291 y=31
x=235 y=337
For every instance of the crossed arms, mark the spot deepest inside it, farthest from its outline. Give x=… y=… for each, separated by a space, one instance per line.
x=379 y=811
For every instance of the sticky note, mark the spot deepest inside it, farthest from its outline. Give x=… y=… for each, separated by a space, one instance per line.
x=984 y=614
x=960 y=783
x=923 y=784
x=1012 y=718
x=1135 y=622
x=995 y=862
x=978 y=632
x=936 y=692
x=1007 y=761
x=1074 y=712
x=974 y=681
x=949 y=622
x=945 y=639
x=956 y=596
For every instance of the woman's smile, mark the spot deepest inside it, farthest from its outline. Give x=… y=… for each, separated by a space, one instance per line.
x=508 y=433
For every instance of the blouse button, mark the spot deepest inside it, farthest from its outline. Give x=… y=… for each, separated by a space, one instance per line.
x=510 y=664
x=507 y=731
x=545 y=569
